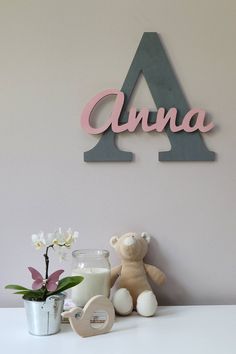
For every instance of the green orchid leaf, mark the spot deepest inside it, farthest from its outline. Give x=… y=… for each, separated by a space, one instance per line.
x=67 y=283
x=28 y=294
x=40 y=295
x=15 y=287
x=33 y=295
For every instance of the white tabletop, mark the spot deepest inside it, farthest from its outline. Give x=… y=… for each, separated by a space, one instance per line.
x=174 y=330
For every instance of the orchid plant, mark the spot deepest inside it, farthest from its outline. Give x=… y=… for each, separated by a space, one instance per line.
x=44 y=287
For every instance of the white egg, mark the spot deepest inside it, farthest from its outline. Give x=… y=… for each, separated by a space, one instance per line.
x=146 y=303
x=123 y=302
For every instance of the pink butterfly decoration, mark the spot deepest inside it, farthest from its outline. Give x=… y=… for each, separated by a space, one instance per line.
x=50 y=283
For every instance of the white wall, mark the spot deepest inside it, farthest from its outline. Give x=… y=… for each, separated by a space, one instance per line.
x=55 y=55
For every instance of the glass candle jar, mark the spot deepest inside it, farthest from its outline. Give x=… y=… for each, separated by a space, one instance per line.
x=93 y=265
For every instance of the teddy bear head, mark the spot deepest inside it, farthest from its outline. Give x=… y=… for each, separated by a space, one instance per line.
x=131 y=246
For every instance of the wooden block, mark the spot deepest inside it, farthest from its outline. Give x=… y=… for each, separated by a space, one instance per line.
x=80 y=319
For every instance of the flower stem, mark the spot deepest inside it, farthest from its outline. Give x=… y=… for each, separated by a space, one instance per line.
x=47 y=261
x=47 y=269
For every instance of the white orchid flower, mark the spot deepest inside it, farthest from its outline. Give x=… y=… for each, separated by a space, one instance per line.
x=70 y=237
x=50 y=239
x=38 y=240
x=59 y=238
x=64 y=238
x=62 y=253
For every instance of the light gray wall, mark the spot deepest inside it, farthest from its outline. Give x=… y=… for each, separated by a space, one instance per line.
x=55 y=55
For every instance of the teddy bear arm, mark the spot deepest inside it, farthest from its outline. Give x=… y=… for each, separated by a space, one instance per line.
x=115 y=273
x=155 y=274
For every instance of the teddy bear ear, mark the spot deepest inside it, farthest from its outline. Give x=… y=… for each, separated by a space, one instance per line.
x=113 y=241
x=146 y=236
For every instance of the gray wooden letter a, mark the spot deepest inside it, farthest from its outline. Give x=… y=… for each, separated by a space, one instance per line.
x=151 y=60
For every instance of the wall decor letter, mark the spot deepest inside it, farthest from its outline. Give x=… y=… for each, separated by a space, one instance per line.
x=182 y=125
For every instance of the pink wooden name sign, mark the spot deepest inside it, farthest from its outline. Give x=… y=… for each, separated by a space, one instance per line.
x=163 y=118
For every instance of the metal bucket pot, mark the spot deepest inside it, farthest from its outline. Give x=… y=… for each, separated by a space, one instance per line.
x=44 y=317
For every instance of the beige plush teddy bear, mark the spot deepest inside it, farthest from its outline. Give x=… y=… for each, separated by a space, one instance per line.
x=134 y=289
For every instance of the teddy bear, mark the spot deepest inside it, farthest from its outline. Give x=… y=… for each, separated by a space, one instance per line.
x=134 y=290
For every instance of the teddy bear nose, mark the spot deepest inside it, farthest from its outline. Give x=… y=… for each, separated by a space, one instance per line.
x=130 y=240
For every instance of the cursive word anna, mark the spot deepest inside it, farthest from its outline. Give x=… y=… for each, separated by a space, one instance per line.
x=163 y=118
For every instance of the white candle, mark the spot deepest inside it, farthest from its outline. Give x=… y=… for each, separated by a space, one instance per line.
x=96 y=282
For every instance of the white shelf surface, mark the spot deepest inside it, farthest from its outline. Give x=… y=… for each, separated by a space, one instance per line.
x=174 y=330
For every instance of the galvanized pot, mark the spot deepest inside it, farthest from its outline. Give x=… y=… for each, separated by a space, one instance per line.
x=44 y=317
